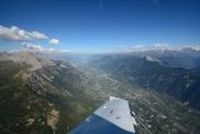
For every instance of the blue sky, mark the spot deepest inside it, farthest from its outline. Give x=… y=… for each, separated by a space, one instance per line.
x=101 y=25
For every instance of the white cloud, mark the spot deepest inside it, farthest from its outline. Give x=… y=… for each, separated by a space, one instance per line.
x=38 y=35
x=36 y=48
x=157 y=46
x=14 y=33
x=194 y=47
x=54 y=41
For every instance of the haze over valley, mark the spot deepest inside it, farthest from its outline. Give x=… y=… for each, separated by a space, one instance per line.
x=49 y=94
x=63 y=60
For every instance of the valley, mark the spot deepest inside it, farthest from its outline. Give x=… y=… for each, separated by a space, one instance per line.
x=155 y=112
x=100 y=66
x=56 y=97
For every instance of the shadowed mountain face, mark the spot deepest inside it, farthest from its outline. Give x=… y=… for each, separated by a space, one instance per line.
x=152 y=73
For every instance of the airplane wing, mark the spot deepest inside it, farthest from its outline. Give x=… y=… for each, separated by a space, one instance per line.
x=113 y=117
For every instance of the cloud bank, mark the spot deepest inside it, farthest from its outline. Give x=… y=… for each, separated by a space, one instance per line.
x=157 y=46
x=25 y=37
x=14 y=33
x=38 y=48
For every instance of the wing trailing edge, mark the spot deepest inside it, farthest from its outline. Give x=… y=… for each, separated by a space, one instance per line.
x=113 y=117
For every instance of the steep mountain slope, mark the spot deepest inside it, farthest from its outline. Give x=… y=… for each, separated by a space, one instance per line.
x=40 y=96
x=180 y=83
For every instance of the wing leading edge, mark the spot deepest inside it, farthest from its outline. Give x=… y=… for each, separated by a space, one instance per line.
x=113 y=117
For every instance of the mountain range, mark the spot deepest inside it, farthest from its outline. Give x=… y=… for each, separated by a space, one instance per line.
x=54 y=92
